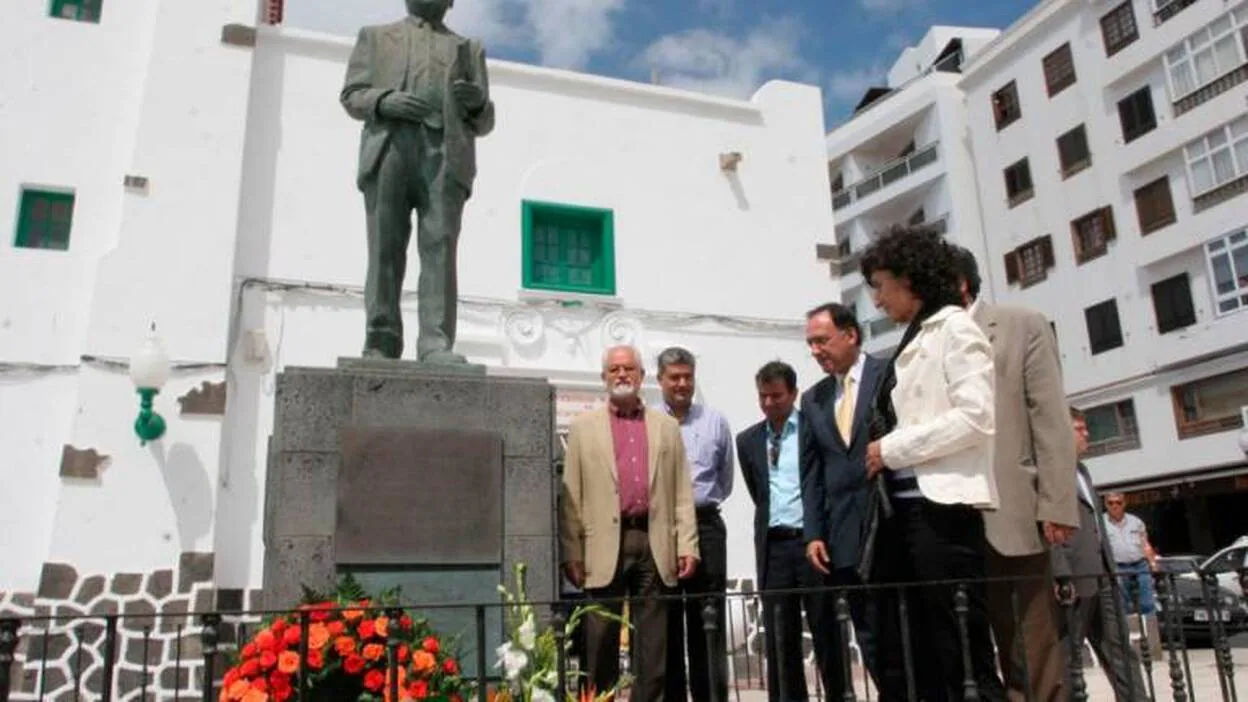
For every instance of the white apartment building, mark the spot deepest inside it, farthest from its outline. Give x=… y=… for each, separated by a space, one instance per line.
x=902 y=158
x=1110 y=140
x=1094 y=156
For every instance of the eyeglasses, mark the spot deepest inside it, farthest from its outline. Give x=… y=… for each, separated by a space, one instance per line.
x=1113 y=502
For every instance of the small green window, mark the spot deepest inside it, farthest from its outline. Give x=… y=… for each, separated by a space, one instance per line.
x=44 y=219
x=568 y=248
x=80 y=10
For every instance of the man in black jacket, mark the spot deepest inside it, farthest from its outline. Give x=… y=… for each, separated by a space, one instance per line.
x=838 y=409
x=775 y=456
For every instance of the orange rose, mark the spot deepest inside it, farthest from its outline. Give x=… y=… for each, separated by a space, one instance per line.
x=344 y=645
x=381 y=625
x=318 y=636
x=336 y=628
x=374 y=651
x=238 y=689
x=254 y=695
x=288 y=662
x=423 y=663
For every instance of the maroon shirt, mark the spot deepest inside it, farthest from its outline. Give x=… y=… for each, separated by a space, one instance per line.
x=632 y=459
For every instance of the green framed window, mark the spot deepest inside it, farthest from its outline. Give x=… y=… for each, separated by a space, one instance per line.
x=44 y=219
x=80 y=10
x=567 y=248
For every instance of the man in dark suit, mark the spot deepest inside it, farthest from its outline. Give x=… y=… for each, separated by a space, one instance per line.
x=774 y=455
x=834 y=495
x=1098 y=610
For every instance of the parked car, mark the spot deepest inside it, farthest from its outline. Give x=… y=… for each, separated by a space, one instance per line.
x=1195 y=610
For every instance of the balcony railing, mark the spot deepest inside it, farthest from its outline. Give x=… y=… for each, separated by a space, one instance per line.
x=1210 y=90
x=1220 y=194
x=1170 y=9
x=888 y=174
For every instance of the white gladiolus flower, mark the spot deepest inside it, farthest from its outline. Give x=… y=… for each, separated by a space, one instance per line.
x=512 y=660
x=528 y=634
x=540 y=695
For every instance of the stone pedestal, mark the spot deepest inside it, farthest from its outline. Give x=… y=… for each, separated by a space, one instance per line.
x=437 y=480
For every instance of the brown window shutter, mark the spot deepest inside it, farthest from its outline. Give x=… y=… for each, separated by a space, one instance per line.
x=1046 y=250
x=1011 y=267
x=1107 y=221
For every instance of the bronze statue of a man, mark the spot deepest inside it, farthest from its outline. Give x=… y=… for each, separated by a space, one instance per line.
x=423 y=94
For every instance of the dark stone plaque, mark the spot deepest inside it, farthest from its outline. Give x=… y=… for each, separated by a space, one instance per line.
x=415 y=496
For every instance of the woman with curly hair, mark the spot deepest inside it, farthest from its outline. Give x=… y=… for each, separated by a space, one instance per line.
x=932 y=448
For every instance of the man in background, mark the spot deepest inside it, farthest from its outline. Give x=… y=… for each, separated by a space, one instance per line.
x=1134 y=556
x=708 y=446
x=778 y=457
x=627 y=524
x=1086 y=557
x=1033 y=453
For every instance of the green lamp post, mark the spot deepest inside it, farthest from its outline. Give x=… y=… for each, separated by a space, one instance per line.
x=149 y=369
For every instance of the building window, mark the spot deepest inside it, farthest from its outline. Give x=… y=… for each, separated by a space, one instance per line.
x=1030 y=263
x=1217 y=49
x=1228 y=268
x=1059 y=69
x=1218 y=157
x=568 y=249
x=1172 y=301
x=1018 y=187
x=1210 y=405
x=1005 y=106
x=1118 y=28
x=1072 y=151
x=1135 y=112
x=1104 y=328
x=80 y=10
x=1154 y=206
x=1092 y=234
x=44 y=219
x=1112 y=428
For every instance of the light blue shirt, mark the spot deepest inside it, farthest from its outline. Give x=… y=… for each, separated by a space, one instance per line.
x=708 y=446
x=785 y=478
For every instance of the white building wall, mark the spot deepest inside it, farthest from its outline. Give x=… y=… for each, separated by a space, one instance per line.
x=250 y=163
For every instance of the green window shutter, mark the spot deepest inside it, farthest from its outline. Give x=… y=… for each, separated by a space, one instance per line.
x=566 y=248
x=44 y=220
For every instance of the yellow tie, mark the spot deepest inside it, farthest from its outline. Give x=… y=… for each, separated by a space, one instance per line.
x=845 y=413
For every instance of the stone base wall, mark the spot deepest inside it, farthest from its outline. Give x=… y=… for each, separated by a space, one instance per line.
x=159 y=649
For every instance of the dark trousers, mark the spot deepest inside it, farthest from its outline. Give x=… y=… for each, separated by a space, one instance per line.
x=788 y=569
x=636 y=577
x=1025 y=622
x=1102 y=620
x=687 y=628
x=925 y=542
x=411 y=176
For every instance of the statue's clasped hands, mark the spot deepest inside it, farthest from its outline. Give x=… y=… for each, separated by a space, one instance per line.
x=409 y=107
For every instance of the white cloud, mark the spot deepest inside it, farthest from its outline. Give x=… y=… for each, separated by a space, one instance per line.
x=887 y=6
x=850 y=85
x=710 y=61
x=568 y=32
x=564 y=33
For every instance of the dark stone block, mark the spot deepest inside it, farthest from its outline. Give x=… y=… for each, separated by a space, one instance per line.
x=104 y=607
x=203 y=601
x=84 y=464
x=137 y=615
x=537 y=554
x=207 y=399
x=131 y=683
x=91 y=636
x=194 y=568
x=403 y=495
x=529 y=497
x=174 y=678
x=54 y=679
x=160 y=584
x=255 y=599
x=523 y=410
x=68 y=615
x=90 y=589
x=311 y=405
x=57 y=580
x=305 y=494
x=173 y=615
x=25 y=600
x=126 y=583
x=134 y=652
x=93 y=681
x=51 y=647
x=230 y=600
x=294 y=561
x=192 y=647
x=417 y=400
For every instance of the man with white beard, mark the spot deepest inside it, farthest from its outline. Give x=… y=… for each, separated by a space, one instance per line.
x=627 y=524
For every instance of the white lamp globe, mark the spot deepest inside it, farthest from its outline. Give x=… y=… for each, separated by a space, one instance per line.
x=149 y=367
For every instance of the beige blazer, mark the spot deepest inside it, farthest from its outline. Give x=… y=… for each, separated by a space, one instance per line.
x=590 y=509
x=944 y=405
x=1035 y=447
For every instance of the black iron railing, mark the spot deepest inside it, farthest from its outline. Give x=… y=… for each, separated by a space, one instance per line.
x=119 y=656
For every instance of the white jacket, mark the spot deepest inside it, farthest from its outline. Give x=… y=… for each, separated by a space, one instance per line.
x=944 y=403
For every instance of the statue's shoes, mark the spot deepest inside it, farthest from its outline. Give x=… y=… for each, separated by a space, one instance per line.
x=443 y=358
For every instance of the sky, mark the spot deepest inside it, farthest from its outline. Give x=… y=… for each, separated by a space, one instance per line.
x=724 y=47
